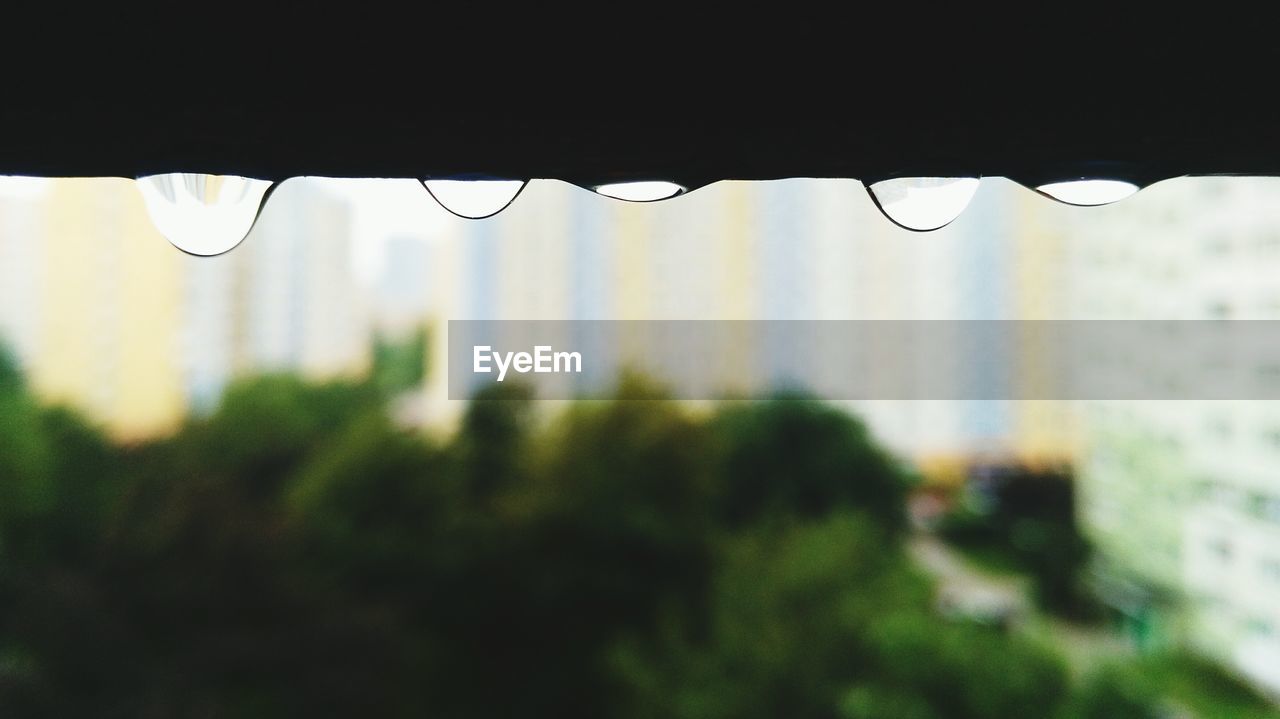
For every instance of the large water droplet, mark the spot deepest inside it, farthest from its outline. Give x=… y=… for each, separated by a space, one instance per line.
x=203 y=214
x=645 y=191
x=923 y=203
x=475 y=199
x=1088 y=193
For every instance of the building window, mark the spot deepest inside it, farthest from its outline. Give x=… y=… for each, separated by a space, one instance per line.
x=1218 y=310
x=1221 y=427
x=1220 y=549
x=1270 y=568
x=1260 y=628
x=1217 y=246
x=1211 y=603
x=1227 y=496
x=1269 y=244
x=1265 y=506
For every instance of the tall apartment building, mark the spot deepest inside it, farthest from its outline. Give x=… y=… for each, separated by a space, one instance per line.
x=1183 y=496
x=22 y=222
x=783 y=250
x=108 y=317
x=108 y=308
x=284 y=300
x=402 y=293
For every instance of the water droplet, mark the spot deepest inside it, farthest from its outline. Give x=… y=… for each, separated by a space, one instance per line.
x=475 y=199
x=923 y=203
x=646 y=191
x=1088 y=193
x=203 y=214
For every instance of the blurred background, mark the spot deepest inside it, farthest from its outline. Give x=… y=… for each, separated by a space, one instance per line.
x=236 y=486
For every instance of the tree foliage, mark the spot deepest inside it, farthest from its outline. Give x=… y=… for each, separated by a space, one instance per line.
x=296 y=554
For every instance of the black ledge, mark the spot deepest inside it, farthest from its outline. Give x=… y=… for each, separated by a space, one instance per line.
x=466 y=104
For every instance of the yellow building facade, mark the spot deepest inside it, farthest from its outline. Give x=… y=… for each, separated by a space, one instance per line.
x=109 y=310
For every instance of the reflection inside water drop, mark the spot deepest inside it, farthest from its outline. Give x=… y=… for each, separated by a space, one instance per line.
x=646 y=191
x=474 y=199
x=203 y=214
x=1088 y=193
x=923 y=203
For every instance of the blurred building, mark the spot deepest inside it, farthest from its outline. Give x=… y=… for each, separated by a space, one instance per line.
x=296 y=302
x=784 y=250
x=1182 y=496
x=109 y=310
x=22 y=223
x=283 y=300
x=402 y=295
x=108 y=317
x=1176 y=495
x=1045 y=431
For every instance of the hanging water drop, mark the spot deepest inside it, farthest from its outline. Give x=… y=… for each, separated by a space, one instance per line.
x=1088 y=193
x=474 y=199
x=203 y=214
x=923 y=203
x=645 y=191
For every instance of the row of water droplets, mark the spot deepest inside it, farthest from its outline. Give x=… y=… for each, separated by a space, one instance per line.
x=210 y=214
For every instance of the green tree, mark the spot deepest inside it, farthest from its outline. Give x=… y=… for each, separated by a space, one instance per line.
x=27 y=491
x=296 y=554
x=399 y=365
x=492 y=448
x=10 y=374
x=825 y=619
x=571 y=534
x=792 y=456
x=266 y=425
x=1029 y=524
x=1115 y=693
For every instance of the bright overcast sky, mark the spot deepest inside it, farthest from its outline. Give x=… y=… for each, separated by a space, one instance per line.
x=382 y=208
